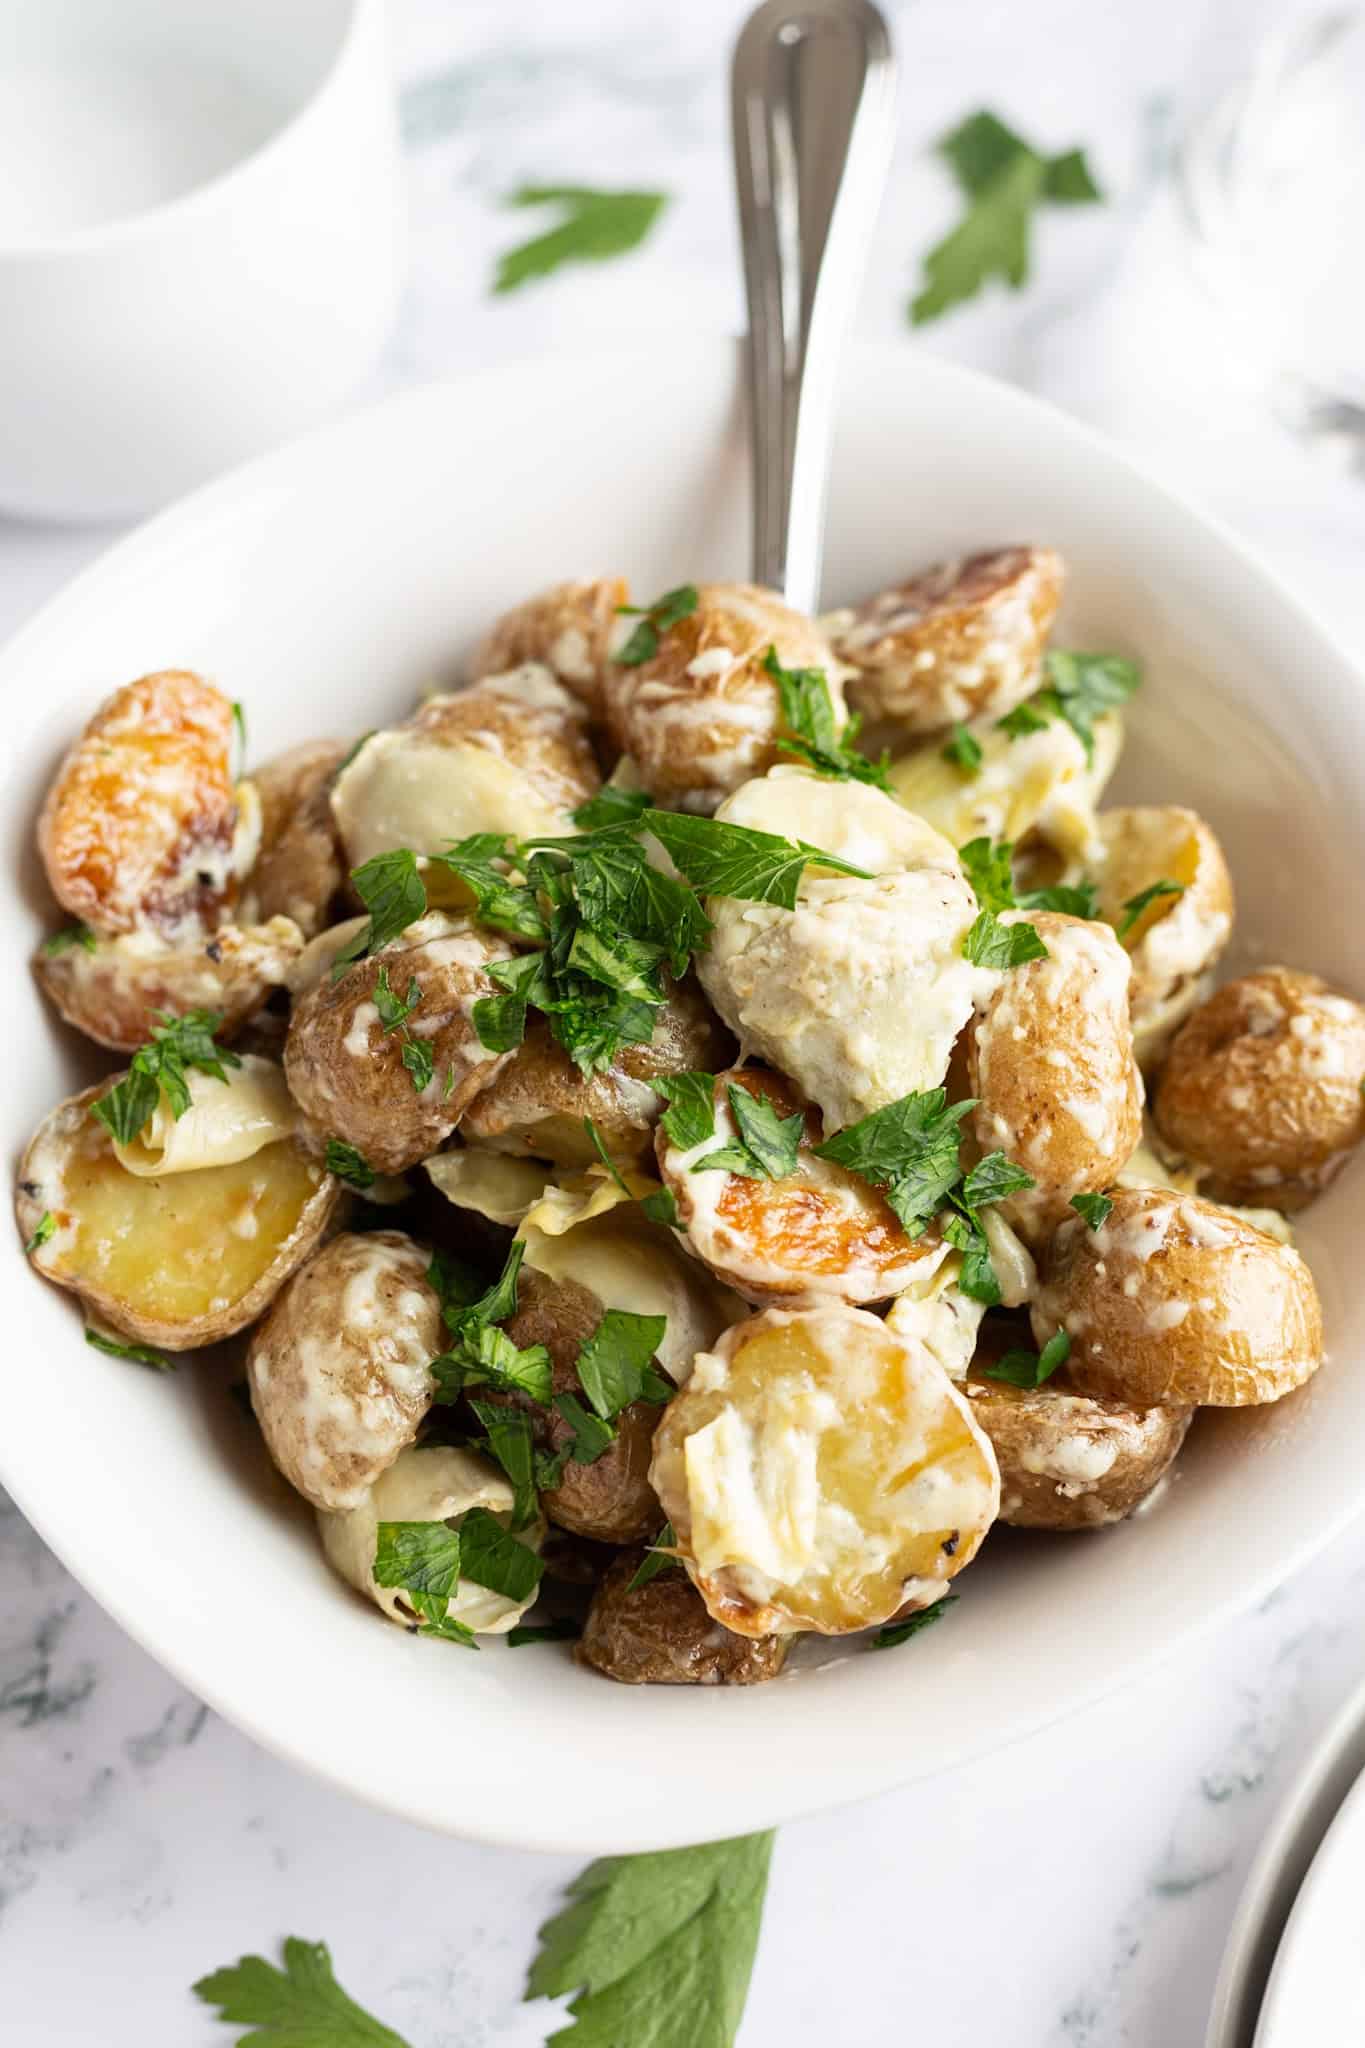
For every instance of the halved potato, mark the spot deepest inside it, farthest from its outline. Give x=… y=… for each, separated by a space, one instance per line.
x=114 y=991
x=339 y=1371
x=568 y=628
x=818 y=1231
x=661 y=1634
x=962 y=640
x=536 y=1104
x=427 y=1483
x=702 y=715
x=820 y=1473
x=178 y=1261
x=1176 y=939
x=300 y=868
x=1174 y=1302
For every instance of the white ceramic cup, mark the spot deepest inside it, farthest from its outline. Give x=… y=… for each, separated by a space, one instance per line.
x=200 y=237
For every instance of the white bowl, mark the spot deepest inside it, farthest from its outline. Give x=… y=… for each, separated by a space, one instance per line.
x=200 y=237
x=325 y=585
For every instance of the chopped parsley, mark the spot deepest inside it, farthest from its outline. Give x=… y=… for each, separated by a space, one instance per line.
x=499 y=902
x=1134 y=907
x=897 y=1632
x=70 y=935
x=564 y=1630
x=1081 y=687
x=42 y=1231
x=395 y=896
x=593 y=226
x=176 y=1044
x=491 y=1556
x=655 y=620
x=425 y=1561
x=1029 y=1368
x=510 y=1441
x=590 y=1435
x=1072 y=899
x=1025 y=718
x=988 y=868
x=964 y=751
x=481 y=1354
x=909 y=1149
x=690 y=1118
x=612 y=806
x=616 y=1364
x=394 y=1009
x=812 y=731
x=348 y=1164
x=1093 y=1208
x=767 y=1144
x=989 y=943
x=721 y=859
x=140 y=1354
x=417 y=1057
x=658 y=1558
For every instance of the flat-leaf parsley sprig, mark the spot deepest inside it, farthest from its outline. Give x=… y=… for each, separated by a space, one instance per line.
x=300 y=2006
x=176 y=1044
x=593 y=226
x=812 y=730
x=989 y=942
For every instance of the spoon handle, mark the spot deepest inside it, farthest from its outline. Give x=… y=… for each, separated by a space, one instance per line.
x=812 y=98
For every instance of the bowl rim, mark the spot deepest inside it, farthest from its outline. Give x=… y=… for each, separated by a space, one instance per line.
x=197 y=511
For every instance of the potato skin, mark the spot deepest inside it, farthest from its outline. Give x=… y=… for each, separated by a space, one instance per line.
x=70 y=1135
x=1174 y=1301
x=1068 y=1460
x=1178 y=939
x=661 y=1634
x=703 y=715
x=347 y=1073
x=338 y=1371
x=113 y=994
x=1262 y=1089
x=567 y=627
x=536 y=1103
x=1050 y=1060
x=612 y=1499
x=300 y=868
x=958 y=641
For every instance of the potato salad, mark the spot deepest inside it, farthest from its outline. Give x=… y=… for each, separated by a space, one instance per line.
x=691 y=1131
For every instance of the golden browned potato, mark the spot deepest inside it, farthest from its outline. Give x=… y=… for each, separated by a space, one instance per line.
x=1177 y=938
x=818 y=1231
x=1069 y=1460
x=1262 y=1089
x=113 y=989
x=959 y=641
x=821 y=1473
x=1175 y=1302
x=536 y=1104
x=702 y=714
x=426 y=1483
x=347 y=1071
x=509 y=755
x=568 y=628
x=339 y=1371
x=300 y=868
x=178 y=1260
x=142 y=829
x=611 y=1499
x=1050 y=1061
x=661 y=1634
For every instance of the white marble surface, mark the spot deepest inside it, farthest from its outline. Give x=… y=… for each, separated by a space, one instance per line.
x=1075 y=1890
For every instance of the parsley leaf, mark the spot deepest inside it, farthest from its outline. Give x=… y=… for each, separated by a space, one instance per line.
x=993 y=1179
x=655 y=620
x=348 y=1164
x=395 y=895
x=499 y=902
x=175 y=1044
x=616 y=1364
x=909 y=1149
x=735 y=860
x=481 y=1353
x=656 y=1559
x=593 y=226
x=992 y=944
x=812 y=732
x=140 y=1354
x=659 y=1947
x=42 y=1231
x=394 y=1009
x=1072 y=899
x=491 y=1556
x=591 y=1435
x=1094 y=1208
x=976 y=1275
x=416 y=1056
x=1028 y=1368
x=661 y=1207
x=565 y=1630
x=70 y=935
x=1003 y=181
x=619 y=962
x=509 y=1440
x=897 y=1632
x=768 y=1144
x=301 y=2006
x=964 y=751
x=612 y=806
x=990 y=873
x=421 y=1559
x=1025 y=718
x=690 y=1118
x=500 y=1021
x=1082 y=687
x=1134 y=907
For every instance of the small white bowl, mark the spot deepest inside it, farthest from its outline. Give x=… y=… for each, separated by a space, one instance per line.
x=200 y=237
x=326 y=586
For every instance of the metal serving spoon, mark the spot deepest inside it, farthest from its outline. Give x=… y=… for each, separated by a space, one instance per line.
x=812 y=96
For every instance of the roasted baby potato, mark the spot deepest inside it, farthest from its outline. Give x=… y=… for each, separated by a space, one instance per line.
x=509 y=755
x=1174 y=1302
x=661 y=1634
x=142 y=830
x=703 y=714
x=1050 y=1061
x=347 y=1071
x=426 y=1483
x=1069 y=1460
x=1177 y=938
x=821 y=1473
x=568 y=628
x=959 y=641
x=300 y=868
x=112 y=990
x=818 y=1231
x=1262 y=1089
x=176 y=1261
x=339 y=1370
x=535 y=1105
x=859 y=993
